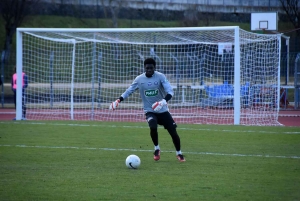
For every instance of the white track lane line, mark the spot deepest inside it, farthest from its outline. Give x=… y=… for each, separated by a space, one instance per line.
x=141 y=150
x=143 y=127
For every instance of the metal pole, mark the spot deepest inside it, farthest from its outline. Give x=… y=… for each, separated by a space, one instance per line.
x=99 y=78
x=177 y=75
x=72 y=81
x=288 y=59
x=2 y=78
x=93 y=81
x=296 y=84
x=51 y=79
x=237 y=77
x=193 y=74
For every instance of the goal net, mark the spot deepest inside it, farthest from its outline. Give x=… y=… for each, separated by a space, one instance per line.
x=220 y=75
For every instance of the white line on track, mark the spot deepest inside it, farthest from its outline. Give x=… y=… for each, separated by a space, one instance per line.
x=140 y=150
x=143 y=127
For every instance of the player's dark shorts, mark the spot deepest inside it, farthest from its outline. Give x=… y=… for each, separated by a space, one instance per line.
x=165 y=119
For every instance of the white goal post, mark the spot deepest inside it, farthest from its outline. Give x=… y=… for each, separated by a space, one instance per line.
x=220 y=75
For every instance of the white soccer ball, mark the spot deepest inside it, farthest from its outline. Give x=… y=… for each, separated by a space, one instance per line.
x=133 y=161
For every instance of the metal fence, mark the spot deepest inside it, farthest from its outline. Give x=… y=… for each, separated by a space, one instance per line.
x=297 y=81
x=255 y=3
x=289 y=75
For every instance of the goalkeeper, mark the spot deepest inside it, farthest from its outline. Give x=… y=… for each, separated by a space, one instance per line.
x=155 y=91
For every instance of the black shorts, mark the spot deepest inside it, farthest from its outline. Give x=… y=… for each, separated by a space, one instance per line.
x=165 y=119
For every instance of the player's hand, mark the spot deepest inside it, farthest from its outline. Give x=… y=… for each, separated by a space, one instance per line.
x=158 y=105
x=114 y=104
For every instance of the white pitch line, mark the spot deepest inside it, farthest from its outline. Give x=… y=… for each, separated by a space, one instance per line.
x=143 y=127
x=141 y=150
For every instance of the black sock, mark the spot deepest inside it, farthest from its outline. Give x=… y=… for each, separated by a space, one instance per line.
x=154 y=136
x=175 y=137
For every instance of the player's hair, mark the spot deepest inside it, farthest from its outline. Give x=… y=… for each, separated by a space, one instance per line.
x=150 y=61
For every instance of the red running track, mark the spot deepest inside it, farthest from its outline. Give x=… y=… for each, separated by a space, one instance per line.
x=286 y=117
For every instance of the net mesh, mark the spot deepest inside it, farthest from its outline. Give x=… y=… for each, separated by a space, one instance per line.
x=75 y=75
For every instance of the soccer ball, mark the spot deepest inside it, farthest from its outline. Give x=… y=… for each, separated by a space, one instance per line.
x=133 y=161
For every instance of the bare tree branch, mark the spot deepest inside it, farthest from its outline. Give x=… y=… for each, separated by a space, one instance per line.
x=292 y=9
x=114 y=7
x=14 y=13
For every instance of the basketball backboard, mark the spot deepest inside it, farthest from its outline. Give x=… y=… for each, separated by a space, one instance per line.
x=264 y=21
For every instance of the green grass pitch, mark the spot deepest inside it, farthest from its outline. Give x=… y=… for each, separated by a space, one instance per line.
x=70 y=160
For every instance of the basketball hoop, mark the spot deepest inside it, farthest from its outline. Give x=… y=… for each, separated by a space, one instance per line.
x=264 y=21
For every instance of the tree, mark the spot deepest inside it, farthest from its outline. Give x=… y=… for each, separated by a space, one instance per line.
x=292 y=9
x=13 y=13
x=114 y=7
x=194 y=17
